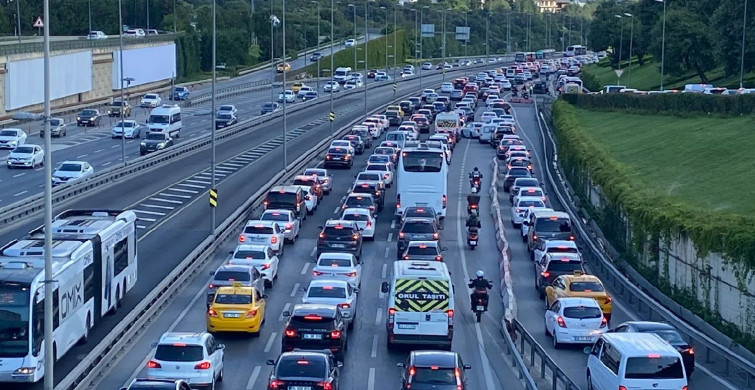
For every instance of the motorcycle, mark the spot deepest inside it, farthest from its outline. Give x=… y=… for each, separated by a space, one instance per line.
x=481 y=304
x=476 y=183
x=471 y=207
x=472 y=238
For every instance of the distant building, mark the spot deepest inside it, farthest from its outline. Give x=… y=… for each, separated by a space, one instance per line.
x=556 y=5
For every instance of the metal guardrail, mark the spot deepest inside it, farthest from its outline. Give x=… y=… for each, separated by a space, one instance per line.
x=737 y=369
x=83 y=43
x=241 y=89
x=538 y=357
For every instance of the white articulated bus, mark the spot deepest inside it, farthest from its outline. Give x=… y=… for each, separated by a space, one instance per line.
x=94 y=265
x=422 y=177
x=576 y=50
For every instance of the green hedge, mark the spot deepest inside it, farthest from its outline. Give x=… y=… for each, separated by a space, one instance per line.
x=668 y=103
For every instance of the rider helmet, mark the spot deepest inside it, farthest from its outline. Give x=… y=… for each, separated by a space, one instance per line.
x=480 y=274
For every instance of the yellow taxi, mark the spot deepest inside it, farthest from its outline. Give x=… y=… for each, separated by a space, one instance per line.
x=396 y=108
x=579 y=285
x=236 y=309
x=296 y=87
x=283 y=67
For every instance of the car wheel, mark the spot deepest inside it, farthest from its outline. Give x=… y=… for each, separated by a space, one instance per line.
x=556 y=344
x=589 y=382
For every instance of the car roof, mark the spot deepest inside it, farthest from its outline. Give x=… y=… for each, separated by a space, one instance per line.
x=251 y=247
x=445 y=359
x=640 y=344
x=557 y=243
x=259 y=222
x=339 y=222
x=428 y=243
x=357 y=210
x=182 y=337
x=557 y=214
x=336 y=255
x=320 y=309
x=328 y=282
x=234 y=267
x=419 y=220
x=579 y=301
x=649 y=325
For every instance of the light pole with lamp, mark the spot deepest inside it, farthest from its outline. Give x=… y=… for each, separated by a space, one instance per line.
x=395 y=65
x=663 y=41
x=354 y=7
x=214 y=113
x=443 y=69
x=386 y=42
x=631 y=42
x=508 y=32
x=274 y=21
x=421 y=40
x=332 y=41
x=487 y=37
x=285 y=97
x=742 y=58
x=415 y=55
x=366 y=40
x=147 y=23
x=621 y=45
x=128 y=81
x=318 y=44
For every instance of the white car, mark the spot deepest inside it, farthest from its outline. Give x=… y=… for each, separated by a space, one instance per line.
x=263 y=233
x=260 y=257
x=506 y=85
x=10 y=138
x=427 y=66
x=384 y=169
x=72 y=171
x=334 y=292
x=488 y=116
x=336 y=265
x=524 y=229
x=471 y=130
x=411 y=132
x=287 y=219
x=150 y=100
x=572 y=320
x=228 y=109
x=350 y=42
x=96 y=35
x=383 y=119
x=288 y=95
x=128 y=128
x=195 y=357
x=446 y=88
x=553 y=246
x=371 y=126
x=310 y=199
x=520 y=204
x=529 y=192
x=363 y=219
x=381 y=76
x=303 y=91
x=353 y=84
x=331 y=86
x=339 y=143
x=26 y=156
x=325 y=178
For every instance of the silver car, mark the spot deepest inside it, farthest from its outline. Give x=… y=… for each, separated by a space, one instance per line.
x=286 y=219
x=325 y=178
x=334 y=292
x=335 y=265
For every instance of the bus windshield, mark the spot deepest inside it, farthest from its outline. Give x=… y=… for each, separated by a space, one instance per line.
x=519 y=57
x=14 y=321
x=422 y=161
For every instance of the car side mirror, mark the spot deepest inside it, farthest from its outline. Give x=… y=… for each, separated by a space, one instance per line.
x=587 y=350
x=467 y=367
x=444 y=249
x=153 y=345
x=319 y=227
x=221 y=346
x=303 y=288
x=212 y=273
x=265 y=296
x=339 y=364
x=356 y=289
x=286 y=314
x=270 y=362
x=230 y=252
x=402 y=365
x=384 y=288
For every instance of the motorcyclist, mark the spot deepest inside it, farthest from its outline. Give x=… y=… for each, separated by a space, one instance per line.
x=475 y=175
x=480 y=287
x=473 y=199
x=473 y=222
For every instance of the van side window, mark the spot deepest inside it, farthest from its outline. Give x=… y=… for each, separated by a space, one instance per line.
x=610 y=358
x=596 y=347
x=175 y=118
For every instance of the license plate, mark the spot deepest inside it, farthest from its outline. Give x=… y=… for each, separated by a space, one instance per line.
x=231 y=315
x=582 y=338
x=407 y=326
x=480 y=308
x=299 y=387
x=312 y=336
x=339 y=245
x=336 y=158
x=473 y=242
x=259 y=239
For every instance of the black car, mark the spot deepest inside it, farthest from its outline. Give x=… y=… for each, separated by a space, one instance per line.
x=356 y=142
x=155 y=141
x=340 y=236
x=513 y=174
x=269 y=107
x=666 y=332
x=225 y=119
x=436 y=370
x=416 y=229
x=394 y=118
x=157 y=384
x=553 y=265
x=308 y=370
x=372 y=188
x=365 y=134
x=540 y=87
x=88 y=117
x=420 y=212
x=338 y=156
x=315 y=327
x=371 y=73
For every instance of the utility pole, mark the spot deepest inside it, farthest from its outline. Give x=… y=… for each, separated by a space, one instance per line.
x=487 y=37
x=466 y=41
x=354 y=7
x=443 y=68
x=285 y=97
x=742 y=58
x=508 y=32
x=213 y=179
x=332 y=41
x=421 y=41
x=395 y=64
x=49 y=355
x=366 y=39
x=272 y=52
x=318 y=44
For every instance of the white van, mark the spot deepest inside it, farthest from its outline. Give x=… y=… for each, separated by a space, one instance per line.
x=420 y=304
x=398 y=137
x=166 y=118
x=342 y=75
x=448 y=122
x=634 y=361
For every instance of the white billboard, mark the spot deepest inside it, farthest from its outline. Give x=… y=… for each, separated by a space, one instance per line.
x=70 y=74
x=145 y=65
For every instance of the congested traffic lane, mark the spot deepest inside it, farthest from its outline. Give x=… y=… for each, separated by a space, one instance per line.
x=368 y=363
x=571 y=359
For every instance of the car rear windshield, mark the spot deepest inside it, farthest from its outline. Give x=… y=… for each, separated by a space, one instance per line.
x=527 y=183
x=356 y=217
x=418 y=227
x=582 y=312
x=370 y=176
x=531 y=203
x=517 y=171
x=277 y=197
x=274 y=217
x=438 y=376
x=334 y=231
x=242 y=254
x=326 y=292
x=586 y=287
x=420 y=250
x=258 y=230
x=179 y=353
x=337 y=151
x=355 y=201
x=564 y=266
x=671 y=336
x=301 y=368
x=312 y=321
x=554 y=225
x=417 y=213
x=654 y=368
x=232 y=275
x=330 y=262
x=562 y=249
x=233 y=299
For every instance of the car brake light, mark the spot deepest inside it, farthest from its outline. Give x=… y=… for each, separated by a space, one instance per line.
x=406 y=257
x=211 y=286
x=684 y=387
x=445 y=201
x=317 y=273
x=369 y=223
x=436 y=236
x=326 y=386
x=401 y=235
x=251 y=313
x=355 y=237
x=689 y=350
x=391 y=313
x=450 y=314
x=153 y=364
x=289 y=226
x=265 y=266
x=561 y=322
x=202 y=366
x=352 y=274
x=276 y=384
x=438 y=258
x=344 y=305
x=518 y=210
x=336 y=334
x=607 y=300
x=273 y=240
x=290 y=333
x=571 y=238
x=412 y=370
x=545 y=274
x=603 y=322
x=322 y=235
x=654 y=356
x=242 y=238
x=212 y=313
x=534 y=237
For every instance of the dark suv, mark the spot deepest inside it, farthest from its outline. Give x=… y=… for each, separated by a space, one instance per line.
x=553 y=265
x=420 y=212
x=340 y=236
x=437 y=370
x=315 y=327
x=513 y=174
x=306 y=370
x=372 y=188
x=416 y=229
x=338 y=156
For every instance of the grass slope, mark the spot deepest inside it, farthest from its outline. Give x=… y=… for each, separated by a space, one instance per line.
x=375 y=55
x=705 y=162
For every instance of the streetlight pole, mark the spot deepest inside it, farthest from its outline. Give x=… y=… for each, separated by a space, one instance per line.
x=285 y=97
x=443 y=69
x=621 y=43
x=273 y=18
x=631 y=42
x=394 y=50
x=466 y=41
x=386 y=42
x=49 y=359
x=742 y=58
x=354 y=7
x=90 y=14
x=147 y=17
x=332 y=41
x=366 y=40
x=318 y=44
x=123 y=101
x=487 y=37
x=508 y=32
x=214 y=113
x=421 y=41
x=663 y=42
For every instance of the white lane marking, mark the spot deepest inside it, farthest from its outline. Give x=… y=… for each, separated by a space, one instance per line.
x=313 y=251
x=19 y=174
x=253 y=379
x=190 y=185
x=183 y=190
x=166 y=200
x=198 y=182
x=305 y=268
x=141 y=227
x=107 y=163
x=226 y=171
x=489 y=383
x=36 y=170
x=390 y=237
x=146 y=219
x=384 y=271
x=285 y=308
x=99 y=150
x=386 y=251
x=175 y=195
x=149 y=212
x=21 y=193
x=172 y=326
x=296 y=288
x=337 y=210
x=81 y=156
x=114 y=146
x=373 y=353
x=370 y=379
x=234 y=165
x=378 y=316
x=270 y=341
x=154 y=206
x=393 y=224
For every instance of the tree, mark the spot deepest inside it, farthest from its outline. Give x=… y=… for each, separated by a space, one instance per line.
x=688 y=47
x=728 y=36
x=604 y=29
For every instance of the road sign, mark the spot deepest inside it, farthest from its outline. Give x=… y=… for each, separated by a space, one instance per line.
x=213 y=197
x=618 y=72
x=38 y=23
x=332 y=116
x=462 y=33
x=395 y=87
x=428 y=30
